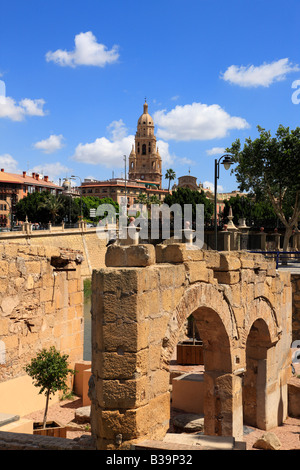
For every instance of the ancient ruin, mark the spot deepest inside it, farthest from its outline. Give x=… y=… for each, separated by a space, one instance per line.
x=141 y=302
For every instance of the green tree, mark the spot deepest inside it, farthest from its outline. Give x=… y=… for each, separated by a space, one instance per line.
x=260 y=212
x=186 y=196
x=106 y=200
x=170 y=175
x=270 y=167
x=49 y=371
x=29 y=207
x=142 y=198
x=154 y=199
x=53 y=204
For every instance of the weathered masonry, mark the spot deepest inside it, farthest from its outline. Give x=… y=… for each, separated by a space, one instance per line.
x=141 y=301
x=41 y=299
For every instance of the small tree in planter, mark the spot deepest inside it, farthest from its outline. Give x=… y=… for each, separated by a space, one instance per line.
x=49 y=370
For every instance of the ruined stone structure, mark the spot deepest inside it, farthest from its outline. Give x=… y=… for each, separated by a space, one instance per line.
x=141 y=301
x=41 y=305
x=86 y=241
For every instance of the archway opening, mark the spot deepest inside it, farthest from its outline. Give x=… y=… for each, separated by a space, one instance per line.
x=258 y=348
x=195 y=384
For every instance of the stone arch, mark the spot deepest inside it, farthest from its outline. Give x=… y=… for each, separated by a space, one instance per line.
x=263 y=388
x=217 y=326
x=262 y=308
x=200 y=297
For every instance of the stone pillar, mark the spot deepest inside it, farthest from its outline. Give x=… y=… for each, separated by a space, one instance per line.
x=277 y=239
x=295 y=241
x=223 y=415
x=226 y=238
x=129 y=390
x=27 y=226
x=263 y=239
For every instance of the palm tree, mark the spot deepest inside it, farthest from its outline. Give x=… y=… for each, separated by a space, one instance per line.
x=142 y=198
x=53 y=204
x=154 y=199
x=170 y=175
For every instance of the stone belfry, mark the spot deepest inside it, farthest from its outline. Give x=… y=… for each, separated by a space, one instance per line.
x=144 y=159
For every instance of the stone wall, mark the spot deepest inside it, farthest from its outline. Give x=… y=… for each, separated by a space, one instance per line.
x=41 y=304
x=140 y=303
x=295 y=278
x=85 y=241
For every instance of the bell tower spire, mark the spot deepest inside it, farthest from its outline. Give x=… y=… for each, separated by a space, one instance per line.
x=144 y=159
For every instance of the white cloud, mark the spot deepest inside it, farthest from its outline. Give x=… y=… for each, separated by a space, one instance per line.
x=104 y=152
x=8 y=163
x=86 y=52
x=50 y=145
x=17 y=111
x=196 y=121
x=216 y=151
x=262 y=75
x=164 y=150
x=53 y=170
x=110 y=152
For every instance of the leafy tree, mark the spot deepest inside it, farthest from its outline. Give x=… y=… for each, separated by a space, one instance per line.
x=106 y=200
x=154 y=199
x=187 y=196
x=29 y=207
x=270 y=167
x=170 y=175
x=53 y=204
x=49 y=370
x=142 y=198
x=260 y=212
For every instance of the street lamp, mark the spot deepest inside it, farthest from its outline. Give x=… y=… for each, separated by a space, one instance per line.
x=227 y=162
x=72 y=177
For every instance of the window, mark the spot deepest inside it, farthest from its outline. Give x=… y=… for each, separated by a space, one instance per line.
x=144 y=149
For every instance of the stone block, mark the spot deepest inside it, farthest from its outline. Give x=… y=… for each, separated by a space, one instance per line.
x=212 y=259
x=124 y=280
x=170 y=275
x=197 y=271
x=177 y=253
x=124 y=393
x=128 y=336
x=133 y=255
x=121 y=365
x=148 y=279
x=230 y=277
x=229 y=262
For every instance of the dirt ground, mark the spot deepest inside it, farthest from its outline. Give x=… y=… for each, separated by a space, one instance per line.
x=64 y=413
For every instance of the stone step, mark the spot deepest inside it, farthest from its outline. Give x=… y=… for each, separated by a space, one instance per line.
x=205 y=442
x=6 y=418
x=183 y=441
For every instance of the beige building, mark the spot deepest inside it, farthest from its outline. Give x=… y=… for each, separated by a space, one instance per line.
x=144 y=159
x=145 y=170
x=188 y=181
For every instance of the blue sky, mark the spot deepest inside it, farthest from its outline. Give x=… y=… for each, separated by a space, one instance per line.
x=74 y=76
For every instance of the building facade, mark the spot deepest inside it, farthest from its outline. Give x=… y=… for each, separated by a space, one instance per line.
x=13 y=187
x=145 y=170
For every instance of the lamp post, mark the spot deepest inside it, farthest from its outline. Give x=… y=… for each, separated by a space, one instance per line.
x=227 y=162
x=72 y=177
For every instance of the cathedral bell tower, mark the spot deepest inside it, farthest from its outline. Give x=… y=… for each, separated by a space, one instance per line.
x=144 y=159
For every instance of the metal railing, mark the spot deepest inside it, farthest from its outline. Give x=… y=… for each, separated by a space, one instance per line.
x=281 y=257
